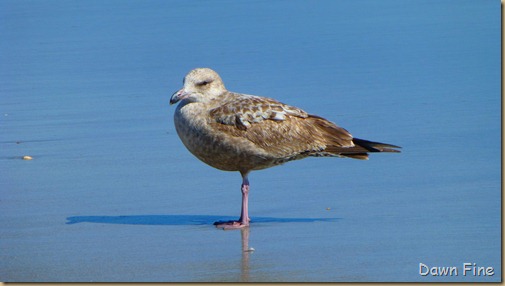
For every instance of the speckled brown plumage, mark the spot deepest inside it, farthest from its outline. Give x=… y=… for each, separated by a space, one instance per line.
x=238 y=132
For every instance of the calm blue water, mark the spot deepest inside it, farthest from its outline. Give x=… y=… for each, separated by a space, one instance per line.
x=113 y=195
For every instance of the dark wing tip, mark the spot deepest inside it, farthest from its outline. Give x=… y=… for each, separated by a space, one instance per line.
x=376 y=146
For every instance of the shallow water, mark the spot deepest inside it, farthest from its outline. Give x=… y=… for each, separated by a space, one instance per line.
x=112 y=194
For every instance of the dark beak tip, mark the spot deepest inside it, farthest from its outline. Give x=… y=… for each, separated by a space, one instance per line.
x=175 y=98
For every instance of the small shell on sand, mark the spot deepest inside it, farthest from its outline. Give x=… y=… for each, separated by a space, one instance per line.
x=27 y=157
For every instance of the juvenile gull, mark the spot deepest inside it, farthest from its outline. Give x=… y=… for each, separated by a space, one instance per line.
x=239 y=132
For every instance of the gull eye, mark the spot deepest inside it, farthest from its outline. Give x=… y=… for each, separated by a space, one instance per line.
x=203 y=83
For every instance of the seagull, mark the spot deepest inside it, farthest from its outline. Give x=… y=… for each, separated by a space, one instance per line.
x=240 y=132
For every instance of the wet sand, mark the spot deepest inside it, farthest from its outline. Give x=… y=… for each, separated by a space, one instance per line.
x=112 y=195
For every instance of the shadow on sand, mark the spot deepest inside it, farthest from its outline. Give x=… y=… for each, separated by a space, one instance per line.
x=245 y=250
x=182 y=219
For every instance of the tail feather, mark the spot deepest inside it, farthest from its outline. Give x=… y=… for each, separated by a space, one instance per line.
x=376 y=146
x=362 y=148
x=339 y=142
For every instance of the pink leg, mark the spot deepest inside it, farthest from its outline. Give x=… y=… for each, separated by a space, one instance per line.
x=244 y=219
x=244 y=214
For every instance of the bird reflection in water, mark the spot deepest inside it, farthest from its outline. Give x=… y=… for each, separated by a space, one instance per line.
x=246 y=251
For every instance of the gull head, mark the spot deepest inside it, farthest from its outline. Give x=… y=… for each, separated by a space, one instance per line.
x=200 y=85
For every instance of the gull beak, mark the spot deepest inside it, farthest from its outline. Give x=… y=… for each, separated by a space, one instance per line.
x=178 y=95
